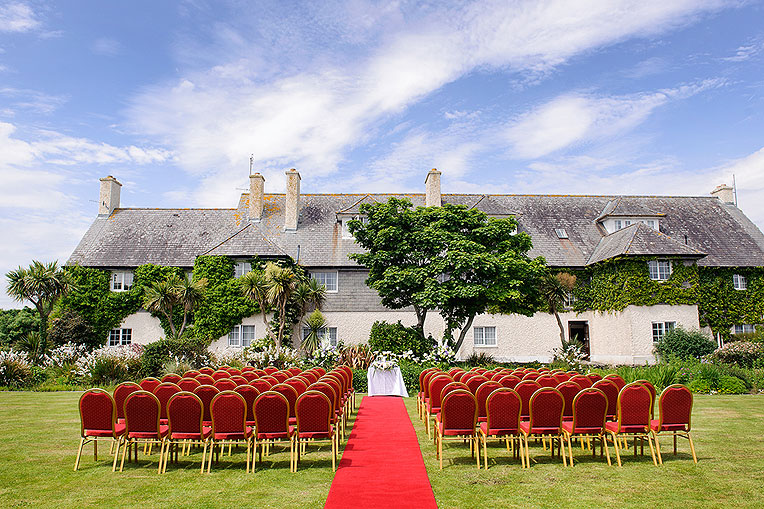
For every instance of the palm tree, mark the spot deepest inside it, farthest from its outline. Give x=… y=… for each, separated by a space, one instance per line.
x=316 y=325
x=189 y=294
x=281 y=283
x=163 y=296
x=254 y=286
x=307 y=294
x=555 y=288
x=42 y=284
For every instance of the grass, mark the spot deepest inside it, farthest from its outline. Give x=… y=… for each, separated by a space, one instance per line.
x=40 y=433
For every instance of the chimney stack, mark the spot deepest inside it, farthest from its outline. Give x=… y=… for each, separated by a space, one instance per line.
x=432 y=186
x=292 y=205
x=725 y=193
x=256 y=192
x=109 y=196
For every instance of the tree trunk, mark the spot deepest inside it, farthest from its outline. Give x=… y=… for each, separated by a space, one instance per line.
x=559 y=324
x=421 y=314
x=463 y=333
x=183 y=325
x=168 y=315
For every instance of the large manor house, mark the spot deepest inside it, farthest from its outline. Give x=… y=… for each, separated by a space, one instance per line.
x=593 y=236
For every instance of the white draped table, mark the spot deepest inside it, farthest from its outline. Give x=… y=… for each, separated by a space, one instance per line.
x=386 y=382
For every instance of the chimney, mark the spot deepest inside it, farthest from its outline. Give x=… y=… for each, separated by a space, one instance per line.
x=256 y=191
x=109 y=197
x=432 y=186
x=292 y=205
x=725 y=193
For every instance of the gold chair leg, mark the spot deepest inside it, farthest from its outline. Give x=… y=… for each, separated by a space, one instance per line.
x=658 y=448
x=116 y=455
x=209 y=459
x=79 y=453
x=616 y=438
x=692 y=448
x=127 y=446
x=570 y=449
x=652 y=449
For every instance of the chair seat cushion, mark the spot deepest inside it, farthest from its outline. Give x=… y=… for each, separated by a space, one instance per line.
x=613 y=426
x=525 y=427
x=588 y=430
x=119 y=429
x=190 y=436
x=276 y=435
x=317 y=434
x=237 y=435
x=149 y=434
x=656 y=425
x=496 y=431
x=455 y=432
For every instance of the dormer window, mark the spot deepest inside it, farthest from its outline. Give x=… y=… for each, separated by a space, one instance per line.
x=660 y=270
x=344 y=221
x=614 y=225
x=121 y=281
x=739 y=282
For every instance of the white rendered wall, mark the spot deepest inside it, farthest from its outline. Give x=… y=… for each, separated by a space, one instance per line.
x=146 y=328
x=256 y=320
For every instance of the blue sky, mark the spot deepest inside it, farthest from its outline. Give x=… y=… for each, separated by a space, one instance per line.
x=567 y=96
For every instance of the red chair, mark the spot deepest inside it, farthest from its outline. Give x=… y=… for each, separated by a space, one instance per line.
x=314 y=423
x=225 y=384
x=220 y=374
x=611 y=391
x=525 y=389
x=426 y=390
x=191 y=373
x=319 y=371
x=206 y=393
x=142 y=411
x=268 y=378
x=291 y=395
x=164 y=392
x=184 y=419
x=569 y=391
x=339 y=404
x=272 y=369
x=502 y=421
x=457 y=420
x=261 y=385
x=249 y=375
x=272 y=424
x=98 y=419
x=172 y=378
x=547 y=381
x=481 y=395
x=675 y=405
x=451 y=371
x=464 y=377
x=589 y=412
x=545 y=420
x=561 y=377
x=294 y=371
x=594 y=377
x=229 y=415
x=420 y=394
x=299 y=385
x=476 y=381
x=239 y=380
x=312 y=377
x=247 y=368
x=531 y=376
x=633 y=418
x=149 y=383
x=120 y=394
x=260 y=372
x=233 y=372
x=188 y=384
x=509 y=381
x=330 y=393
x=433 y=401
x=250 y=395
x=280 y=376
x=583 y=381
x=205 y=379
x=206 y=370
x=653 y=393
x=617 y=380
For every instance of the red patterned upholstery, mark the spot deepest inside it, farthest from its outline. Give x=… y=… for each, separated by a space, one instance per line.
x=502 y=413
x=261 y=385
x=583 y=381
x=280 y=376
x=314 y=415
x=569 y=391
x=249 y=375
x=272 y=416
x=594 y=377
x=98 y=415
x=206 y=370
x=270 y=370
x=633 y=410
x=435 y=388
x=239 y=380
x=428 y=377
x=120 y=394
x=268 y=378
x=458 y=415
x=290 y=394
x=589 y=411
x=298 y=385
x=225 y=384
x=327 y=390
x=206 y=393
x=172 y=378
x=653 y=393
x=320 y=371
x=149 y=383
x=310 y=376
x=531 y=376
x=184 y=412
x=476 y=381
x=481 y=395
x=191 y=373
x=611 y=391
x=509 y=381
x=249 y=394
x=675 y=406
x=525 y=389
x=220 y=374
x=617 y=380
x=294 y=371
x=142 y=416
x=233 y=372
x=205 y=379
x=164 y=392
x=561 y=377
x=188 y=384
x=229 y=413
x=246 y=369
x=260 y=372
x=547 y=381
x=546 y=406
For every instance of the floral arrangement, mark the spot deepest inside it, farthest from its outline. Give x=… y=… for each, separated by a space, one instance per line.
x=441 y=354
x=283 y=357
x=385 y=361
x=228 y=356
x=325 y=356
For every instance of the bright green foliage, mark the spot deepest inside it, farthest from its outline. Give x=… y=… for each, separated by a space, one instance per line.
x=192 y=351
x=16 y=324
x=315 y=323
x=450 y=258
x=174 y=294
x=685 y=344
x=396 y=338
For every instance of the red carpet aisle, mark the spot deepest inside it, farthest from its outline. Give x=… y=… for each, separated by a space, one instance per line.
x=382 y=465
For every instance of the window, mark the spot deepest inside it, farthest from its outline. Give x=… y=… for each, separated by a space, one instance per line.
x=325 y=333
x=661 y=328
x=241 y=268
x=660 y=270
x=618 y=224
x=345 y=231
x=626 y=222
x=651 y=224
x=561 y=233
x=569 y=300
x=241 y=336
x=120 y=337
x=739 y=282
x=328 y=279
x=745 y=328
x=485 y=336
x=121 y=281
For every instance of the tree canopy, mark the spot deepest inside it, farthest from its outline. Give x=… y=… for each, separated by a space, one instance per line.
x=451 y=258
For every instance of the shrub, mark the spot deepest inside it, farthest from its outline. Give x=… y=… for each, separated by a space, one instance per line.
x=110 y=365
x=71 y=327
x=15 y=370
x=356 y=356
x=228 y=356
x=731 y=385
x=410 y=372
x=326 y=356
x=685 y=344
x=570 y=354
x=185 y=350
x=480 y=359
x=360 y=382
x=394 y=337
x=281 y=358
x=741 y=353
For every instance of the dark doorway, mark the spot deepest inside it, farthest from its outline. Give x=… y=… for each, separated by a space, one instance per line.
x=580 y=331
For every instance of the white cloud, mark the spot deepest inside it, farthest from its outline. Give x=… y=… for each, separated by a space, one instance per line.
x=34 y=100
x=17 y=17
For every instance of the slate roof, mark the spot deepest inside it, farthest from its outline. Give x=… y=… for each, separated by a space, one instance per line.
x=689 y=226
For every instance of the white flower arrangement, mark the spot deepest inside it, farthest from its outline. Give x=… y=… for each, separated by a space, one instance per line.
x=385 y=361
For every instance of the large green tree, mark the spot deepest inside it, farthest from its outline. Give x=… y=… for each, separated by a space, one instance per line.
x=163 y=297
x=451 y=258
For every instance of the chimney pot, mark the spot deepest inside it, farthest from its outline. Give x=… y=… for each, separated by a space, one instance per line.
x=256 y=192
x=292 y=205
x=432 y=188
x=725 y=193
x=108 y=199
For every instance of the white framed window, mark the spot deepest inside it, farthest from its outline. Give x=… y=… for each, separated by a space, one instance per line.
x=618 y=224
x=241 y=336
x=739 y=282
x=744 y=328
x=241 y=268
x=484 y=336
x=328 y=279
x=660 y=270
x=328 y=334
x=569 y=300
x=661 y=328
x=344 y=222
x=120 y=337
x=121 y=281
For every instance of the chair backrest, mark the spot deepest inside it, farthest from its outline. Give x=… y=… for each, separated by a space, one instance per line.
x=271 y=413
x=436 y=387
x=335 y=385
x=617 y=380
x=120 y=393
x=464 y=377
x=188 y=384
x=546 y=408
x=675 y=406
x=429 y=376
x=261 y=385
x=142 y=413
x=280 y=376
x=98 y=411
x=634 y=406
x=482 y=393
x=458 y=411
x=249 y=394
x=561 y=377
x=590 y=410
x=319 y=371
x=270 y=370
x=229 y=413
x=191 y=373
x=653 y=393
x=340 y=380
x=172 y=378
x=206 y=370
x=294 y=371
x=290 y=394
x=311 y=376
x=314 y=412
x=220 y=374
x=164 y=392
x=531 y=376
x=260 y=372
x=582 y=380
x=149 y=383
x=233 y=372
x=452 y=371
x=503 y=409
x=247 y=368
x=239 y=380
x=547 y=381
x=476 y=381
x=249 y=375
x=611 y=391
x=594 y=377
x=498 y=376
x=205 y=379
x=225 y=384
x=268 y=378
x=525 y=389
x=298 y=385
x=569 y=391
x=206 y=393
x=328 y=390
x=452 y=386
x=509 y=381
x=184 y=413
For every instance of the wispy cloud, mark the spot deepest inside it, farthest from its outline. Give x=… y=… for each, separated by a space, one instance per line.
x=33 y=100
x=106 y=46
x=17 y=17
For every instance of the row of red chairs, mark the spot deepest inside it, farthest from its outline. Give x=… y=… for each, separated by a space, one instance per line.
x=96 y=412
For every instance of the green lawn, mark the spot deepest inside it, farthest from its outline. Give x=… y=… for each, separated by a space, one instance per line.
x=39 y=436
